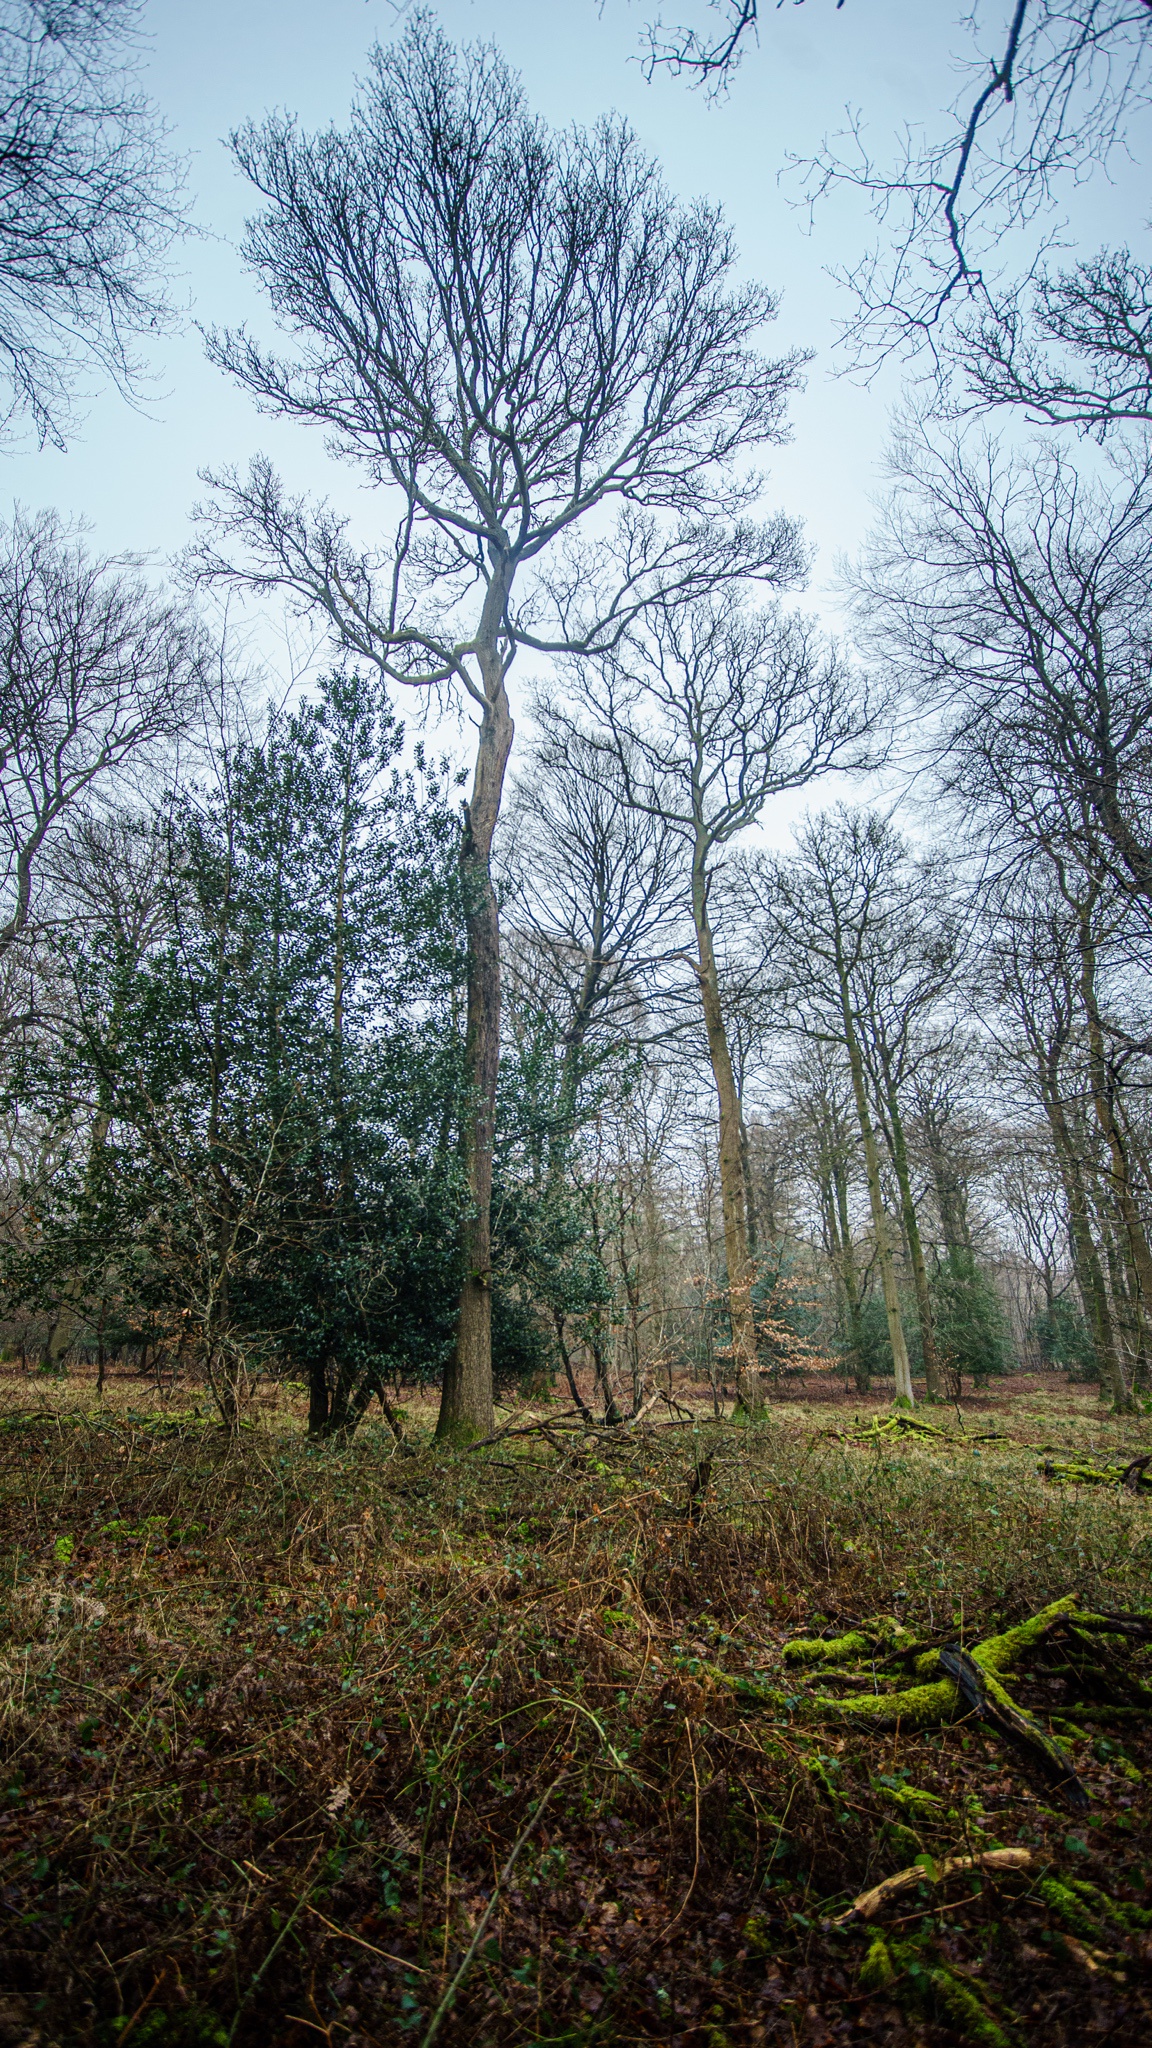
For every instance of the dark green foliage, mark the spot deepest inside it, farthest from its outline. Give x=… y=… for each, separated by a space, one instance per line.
x=1065 y=1341
x=875 y=1348
x=971 y=1327
x=263 y=1096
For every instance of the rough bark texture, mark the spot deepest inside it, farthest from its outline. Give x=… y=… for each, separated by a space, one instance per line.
x=733 y=1200
x=466 y=1401
x=1085 y=1257
x=1137 y=1255
x=876 y=1198
x=933 y=1371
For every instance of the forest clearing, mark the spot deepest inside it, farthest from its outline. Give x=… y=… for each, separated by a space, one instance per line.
x=575 y=1024
x=302 y=1741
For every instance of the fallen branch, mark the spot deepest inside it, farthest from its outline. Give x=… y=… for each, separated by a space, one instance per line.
x=1133 y=1477
x=870 y=1903
x=984 y=1696
x=954 y=1682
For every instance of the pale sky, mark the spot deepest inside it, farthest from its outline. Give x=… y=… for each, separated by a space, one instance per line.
x=133 y=474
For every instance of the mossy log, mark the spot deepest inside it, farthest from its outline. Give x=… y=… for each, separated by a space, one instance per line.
x=952 y=1681
x=1134 y=1477
x=882 y=1636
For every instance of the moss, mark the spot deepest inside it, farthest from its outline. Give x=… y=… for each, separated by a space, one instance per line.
x=1055 y=1751
x=918 y=1706
x=903 y=1841
x=1062 y=1901
x=748 y=1689
x=928 y=1986
x=911 y=1799
x=883 y=1633
x=833 y=1650
x=877 y=1971
x=758 y=1936
x=963 y=2010
x=1135 y=1918
x=1003 y=1652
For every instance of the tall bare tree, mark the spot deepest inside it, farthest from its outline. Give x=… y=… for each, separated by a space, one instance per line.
x=509 y=330
x=591 y=892
x=1033 y=955
x=1012 y=599
x=709 y=710
x=834 y=920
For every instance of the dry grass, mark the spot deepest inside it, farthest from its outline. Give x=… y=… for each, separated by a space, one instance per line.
x=275 y=1717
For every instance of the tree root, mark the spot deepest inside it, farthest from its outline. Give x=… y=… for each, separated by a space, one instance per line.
x=956 y=1682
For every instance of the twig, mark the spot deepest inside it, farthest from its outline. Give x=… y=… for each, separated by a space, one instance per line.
x=683 y=1908
x=449 y=1997
x=386 y=1954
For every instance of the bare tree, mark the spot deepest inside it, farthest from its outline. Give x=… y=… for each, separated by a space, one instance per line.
x=1033 y=955
x=95 y=667
x=1012 y=598
x=824 y=1130
x=591 y=892
x=709 y=710
x=89 y=203
x=508 y=330
x=1078 y=353
x=828 y=916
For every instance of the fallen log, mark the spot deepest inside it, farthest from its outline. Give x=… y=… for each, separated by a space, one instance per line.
x=953 y=1682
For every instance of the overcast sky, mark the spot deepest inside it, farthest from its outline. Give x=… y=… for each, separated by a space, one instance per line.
x=212 y=63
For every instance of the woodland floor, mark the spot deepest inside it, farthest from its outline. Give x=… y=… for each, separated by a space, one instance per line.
x=274 y=1717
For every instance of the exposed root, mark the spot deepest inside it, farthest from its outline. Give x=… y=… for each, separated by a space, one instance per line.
x=955 y=1682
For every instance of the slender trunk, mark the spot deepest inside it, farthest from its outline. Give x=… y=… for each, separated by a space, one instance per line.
x=900 y=1362
x=732 y=1175
x=466 y=1402
x=319 y=1402
x=1085 y=1257
x=559 y=1319
x=750 y=1204
x=1136 y=1252
x=933 y=1372
x=849 y=1278
x=338 y=978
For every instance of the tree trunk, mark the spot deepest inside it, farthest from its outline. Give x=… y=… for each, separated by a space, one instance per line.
x=466 y=1402
x=900 y=1362
x=1137 y=1254
x=849 y=1281
x=933 y=1372
x=1085 y=1258
x=319 y=1402
x=733 y=1206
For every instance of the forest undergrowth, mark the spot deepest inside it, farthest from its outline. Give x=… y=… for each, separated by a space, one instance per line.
x=377 y=1745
